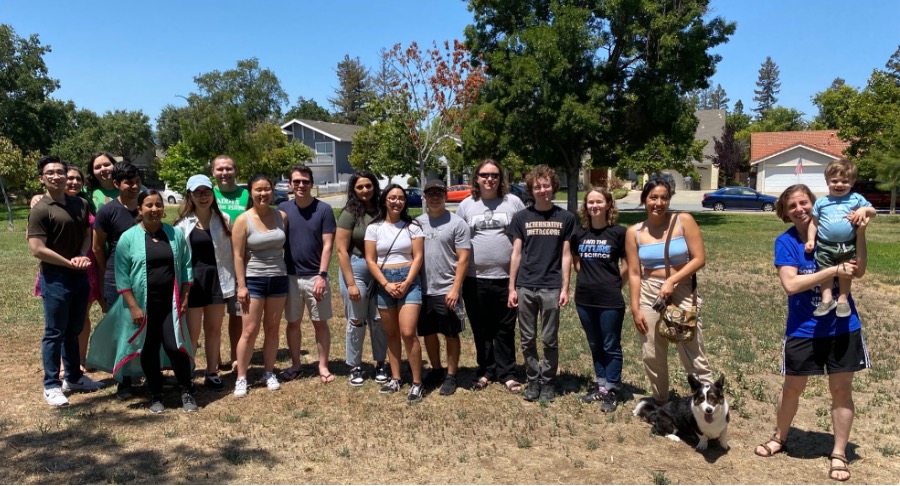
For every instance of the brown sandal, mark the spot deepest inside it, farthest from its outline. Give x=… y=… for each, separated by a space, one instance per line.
x=765 y=445
x=833 y=469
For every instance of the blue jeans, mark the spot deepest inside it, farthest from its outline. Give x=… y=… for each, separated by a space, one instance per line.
x=362 y=312
x=65 y=297
x=603 y=328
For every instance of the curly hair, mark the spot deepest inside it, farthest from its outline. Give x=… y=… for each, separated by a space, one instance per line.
x=538 y=172
x=612 y=212
x=502 y=188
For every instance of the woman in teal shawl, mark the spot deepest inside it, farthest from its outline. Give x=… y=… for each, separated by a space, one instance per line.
x=153 y=275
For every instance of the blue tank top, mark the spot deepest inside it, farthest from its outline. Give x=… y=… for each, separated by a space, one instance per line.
x=652 y=255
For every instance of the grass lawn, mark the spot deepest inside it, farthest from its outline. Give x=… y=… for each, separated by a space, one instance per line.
x=313 y=433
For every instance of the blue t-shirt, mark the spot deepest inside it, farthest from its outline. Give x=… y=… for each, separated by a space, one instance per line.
x=832 y=215
x=303 y=248
x=800 y=320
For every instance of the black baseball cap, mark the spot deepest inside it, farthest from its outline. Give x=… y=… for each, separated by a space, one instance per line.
x=435 y=184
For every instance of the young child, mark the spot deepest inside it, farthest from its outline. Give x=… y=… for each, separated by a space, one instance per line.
x=833 y=233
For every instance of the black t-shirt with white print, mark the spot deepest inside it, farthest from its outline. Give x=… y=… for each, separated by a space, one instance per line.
x=599 y=282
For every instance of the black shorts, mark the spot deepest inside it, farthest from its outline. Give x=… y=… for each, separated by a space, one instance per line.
x=826 y=355
x=206 y=289
x=436 y=318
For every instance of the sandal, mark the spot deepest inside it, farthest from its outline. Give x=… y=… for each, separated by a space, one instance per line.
x=326 y=378
x=833 y=469
x=481 y=383
x=290 y=374
x=513 y=386
x=765 y=445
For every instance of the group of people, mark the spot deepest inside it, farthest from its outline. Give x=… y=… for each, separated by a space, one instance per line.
x=404 y=278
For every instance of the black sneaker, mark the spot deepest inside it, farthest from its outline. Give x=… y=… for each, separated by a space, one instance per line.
x=213 y=382
x=416 y=393
x=593 y=394
x=449 y=385
x=356 y=377
x=434 y=378
x=156 y=404
x=381 y=375
x=188 y=402
x=610 y=402
x=533 y=391
x=392 y=386
x=124 y=392
x=548 y=392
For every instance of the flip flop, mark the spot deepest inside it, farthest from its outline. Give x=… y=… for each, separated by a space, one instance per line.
x=290 y=374
x=326 y=378
x=481 y=383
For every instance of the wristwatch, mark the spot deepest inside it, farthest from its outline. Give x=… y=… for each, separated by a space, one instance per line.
x=323 y=275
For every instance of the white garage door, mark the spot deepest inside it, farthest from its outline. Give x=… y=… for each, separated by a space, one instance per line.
x=780 y=178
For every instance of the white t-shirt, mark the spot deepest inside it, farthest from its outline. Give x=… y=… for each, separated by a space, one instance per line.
x=384 y=233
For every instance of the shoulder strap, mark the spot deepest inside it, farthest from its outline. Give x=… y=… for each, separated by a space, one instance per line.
x=677 y=218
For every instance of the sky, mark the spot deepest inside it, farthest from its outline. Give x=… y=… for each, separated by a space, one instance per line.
x=143 y=55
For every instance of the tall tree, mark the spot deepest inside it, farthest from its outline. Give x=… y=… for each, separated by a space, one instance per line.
x=308 y=109
x=605 y=78
x=26 y=110
x=780 y=119
x=354 y=92
x=121 y=132
x=168 y=125
x=17 y=170
x=385 y=80
x=833 y=104
x=384 y=145
x=769 y=85
x=729 y=154
x=737 y=118
x=718 y=100
x=893 y=64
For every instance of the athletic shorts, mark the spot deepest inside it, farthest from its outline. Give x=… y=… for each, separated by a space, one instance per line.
x=301 y=297
x=436 y=318
x=829 y=253
x=826 y=355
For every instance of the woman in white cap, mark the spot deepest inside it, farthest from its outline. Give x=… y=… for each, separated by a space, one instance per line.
x=208 y=232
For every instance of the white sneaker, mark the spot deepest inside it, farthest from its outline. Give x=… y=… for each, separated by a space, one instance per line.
x=271 y=381
x=55 y=397
x=240 y=387
x=84 y=384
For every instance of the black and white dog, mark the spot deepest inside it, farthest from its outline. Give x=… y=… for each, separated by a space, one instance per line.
x=704 y=413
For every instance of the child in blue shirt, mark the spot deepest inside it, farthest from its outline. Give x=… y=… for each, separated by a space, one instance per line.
x=832 y=232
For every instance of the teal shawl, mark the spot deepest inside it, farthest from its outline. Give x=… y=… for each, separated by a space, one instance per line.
x=116 y=341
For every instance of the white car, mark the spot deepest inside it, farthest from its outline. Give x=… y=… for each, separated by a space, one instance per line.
x=283 y=185
x=170 y=196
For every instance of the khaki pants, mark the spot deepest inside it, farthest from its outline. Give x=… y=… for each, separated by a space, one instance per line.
x=654 y=348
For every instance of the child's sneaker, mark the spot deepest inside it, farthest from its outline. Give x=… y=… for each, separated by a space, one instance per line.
x=842 y=309
x=824 y=308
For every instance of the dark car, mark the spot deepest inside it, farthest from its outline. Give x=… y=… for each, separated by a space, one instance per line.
x=520 y=191
x=413 y=197
x=879 y=198
x=281 y=196
x=738 y=198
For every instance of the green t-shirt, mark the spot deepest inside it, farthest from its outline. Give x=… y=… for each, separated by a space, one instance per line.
x=232 y=203
x=347 y=221
x=101 y=196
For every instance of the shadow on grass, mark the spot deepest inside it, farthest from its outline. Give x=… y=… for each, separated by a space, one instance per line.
x=79 y=449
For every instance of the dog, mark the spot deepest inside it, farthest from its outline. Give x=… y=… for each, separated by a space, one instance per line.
x=704 y=413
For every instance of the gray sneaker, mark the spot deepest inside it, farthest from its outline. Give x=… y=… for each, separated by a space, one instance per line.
x=449 y=385
x=189 y=402
x=824 y=308
x=548 y=392
x=842 y=309
x=156 y=404
x=84 y=384
x=532 y=391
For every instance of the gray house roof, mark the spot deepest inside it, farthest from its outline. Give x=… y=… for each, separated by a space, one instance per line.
x=711 y=126
x=338 y=131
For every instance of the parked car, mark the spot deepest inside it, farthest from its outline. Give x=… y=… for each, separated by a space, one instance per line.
x=283 y=185
x=458 y=192
x=879 y=198
x=738 y=198
x=170 y=196
x=413 y=197
x=281 y=196
x=519 y=191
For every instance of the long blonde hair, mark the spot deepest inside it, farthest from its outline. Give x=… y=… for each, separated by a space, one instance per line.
x=612 y=212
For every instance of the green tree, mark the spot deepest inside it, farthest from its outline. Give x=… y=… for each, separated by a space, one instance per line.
x=737 y=119
x=780 y=119
x=718 y=99
x=17 y=171
x=123 y=133
x=308 y=109
x=605 y=78
x=168 y=125
x=354 y=92
x=385 y=78
x=769 y=85
x=833 y=105
x=179 y=165
x=730 y=155
x=384 y=146
x=27 y=114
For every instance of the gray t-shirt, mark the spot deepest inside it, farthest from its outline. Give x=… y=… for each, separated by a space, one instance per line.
x=491 y=246
x=443 y=236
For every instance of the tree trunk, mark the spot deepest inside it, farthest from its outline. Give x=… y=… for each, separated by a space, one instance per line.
x=421 y=165
x=9 y=212
x=572 y=195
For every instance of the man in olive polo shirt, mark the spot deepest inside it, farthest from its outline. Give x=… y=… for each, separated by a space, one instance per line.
x=59 y=236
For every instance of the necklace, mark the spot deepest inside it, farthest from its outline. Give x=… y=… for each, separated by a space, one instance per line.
x=157 y=235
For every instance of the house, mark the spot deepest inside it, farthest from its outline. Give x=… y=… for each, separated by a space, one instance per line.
x=786 y=158
x=710 y=127
x=332 y=144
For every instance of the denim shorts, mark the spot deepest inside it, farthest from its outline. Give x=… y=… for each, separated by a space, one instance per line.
x=263 y=287
x=413 y=293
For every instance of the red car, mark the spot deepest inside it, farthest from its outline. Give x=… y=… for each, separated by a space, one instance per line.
x=869 y=190
x=458 y=192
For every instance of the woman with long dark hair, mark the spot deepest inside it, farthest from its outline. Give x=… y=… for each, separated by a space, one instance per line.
x=257 y=240
x=395 y=248
x=361 y=209
x=99 y=179
x=208 y=232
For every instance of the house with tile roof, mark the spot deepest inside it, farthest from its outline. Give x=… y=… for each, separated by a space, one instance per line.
x=786 y=158
x=710 y=127
x=332 y=144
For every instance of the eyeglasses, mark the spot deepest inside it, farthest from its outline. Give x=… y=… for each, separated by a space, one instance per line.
x=301 y=182
x=489 y=175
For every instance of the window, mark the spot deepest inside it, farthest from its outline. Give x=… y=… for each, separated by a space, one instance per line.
x=324 y=148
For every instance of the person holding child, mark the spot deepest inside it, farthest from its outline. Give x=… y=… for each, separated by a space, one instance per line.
x=832 y=234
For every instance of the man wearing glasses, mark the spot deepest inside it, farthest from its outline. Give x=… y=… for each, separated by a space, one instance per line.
x=307 y=252
x=59 y=236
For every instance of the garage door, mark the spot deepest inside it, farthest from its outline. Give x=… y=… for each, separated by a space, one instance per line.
x=780 y=178
x=323 y=173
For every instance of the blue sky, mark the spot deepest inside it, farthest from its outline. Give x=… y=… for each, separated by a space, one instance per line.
x=142 y=55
